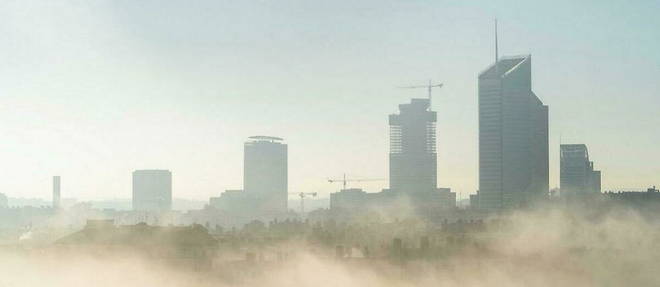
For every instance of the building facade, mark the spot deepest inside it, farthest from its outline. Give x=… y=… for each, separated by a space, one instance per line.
x=265 y=173
x=413 y=157
x=513 y=137
x=577 y=174
x=56 y=192
x=4 y=201
x=152 y=190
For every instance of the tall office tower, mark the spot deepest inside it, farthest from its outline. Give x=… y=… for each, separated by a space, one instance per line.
x=265 y=174
x=513 y=136
x=4 y=201
x=577 y=174
x=413 y=157
x=56 y=192
x=152 y=190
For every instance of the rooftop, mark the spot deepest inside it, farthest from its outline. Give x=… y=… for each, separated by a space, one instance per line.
x=504 y=65
x=265 y=138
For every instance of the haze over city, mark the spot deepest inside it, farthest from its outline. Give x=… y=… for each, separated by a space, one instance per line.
x=315 y=143
x=94 y=90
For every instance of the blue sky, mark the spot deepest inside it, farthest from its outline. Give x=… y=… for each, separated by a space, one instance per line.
x=91 y=90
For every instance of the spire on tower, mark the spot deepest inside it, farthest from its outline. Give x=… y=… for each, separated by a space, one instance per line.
x=496 y=52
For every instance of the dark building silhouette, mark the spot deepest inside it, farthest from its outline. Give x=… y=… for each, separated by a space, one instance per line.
x=56 y=192
x=413 y=157
x=513 y=137
x=648 y=200
x=152 y=190
x=577 y=174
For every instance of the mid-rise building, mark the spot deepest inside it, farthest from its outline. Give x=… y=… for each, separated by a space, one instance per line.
x=349 y=199
x=646 y=200
x=513 y=137
x=152 y=190
x=577 y=174
x=427 y=203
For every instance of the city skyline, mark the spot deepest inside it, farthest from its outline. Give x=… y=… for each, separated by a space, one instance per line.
x=74 y=108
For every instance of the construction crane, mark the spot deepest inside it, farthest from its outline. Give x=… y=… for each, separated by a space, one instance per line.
x=344 y=180
x=429 y=87
x=302 y=196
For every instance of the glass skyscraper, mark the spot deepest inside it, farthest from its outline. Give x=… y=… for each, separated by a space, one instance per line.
x=513 y=137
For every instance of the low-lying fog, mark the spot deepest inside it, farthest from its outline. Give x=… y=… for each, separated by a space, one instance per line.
x=545 y=247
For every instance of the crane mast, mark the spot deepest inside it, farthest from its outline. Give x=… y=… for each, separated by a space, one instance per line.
x=344 y=180
x=302 y=196
x=429 y=89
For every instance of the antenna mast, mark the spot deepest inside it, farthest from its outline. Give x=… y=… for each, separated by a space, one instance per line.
x=496 y=52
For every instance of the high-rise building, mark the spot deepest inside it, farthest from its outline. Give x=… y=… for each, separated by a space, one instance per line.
x=56 y=192
x=413 y=169
x=577 y=174
x=513 y=136
x=413 y=157
x=4 y=201
x=152 y=190
x=265 y=174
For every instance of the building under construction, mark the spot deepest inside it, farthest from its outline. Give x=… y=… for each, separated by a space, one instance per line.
x=413 y=169
x=413 y=157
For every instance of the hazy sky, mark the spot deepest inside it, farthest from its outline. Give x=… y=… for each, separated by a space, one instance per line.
x=91 y=90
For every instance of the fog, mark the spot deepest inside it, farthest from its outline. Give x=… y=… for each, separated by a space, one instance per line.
x=547 y=246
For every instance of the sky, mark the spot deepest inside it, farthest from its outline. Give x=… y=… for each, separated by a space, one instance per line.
x=92 y=90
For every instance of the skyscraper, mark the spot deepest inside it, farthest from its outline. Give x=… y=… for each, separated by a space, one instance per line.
x=265 y=174
x=56 y=192
x=152 y=190
x=513 y=136
x=577 y=174
x=4 y=201
x=413 y=168
x=413 y=157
